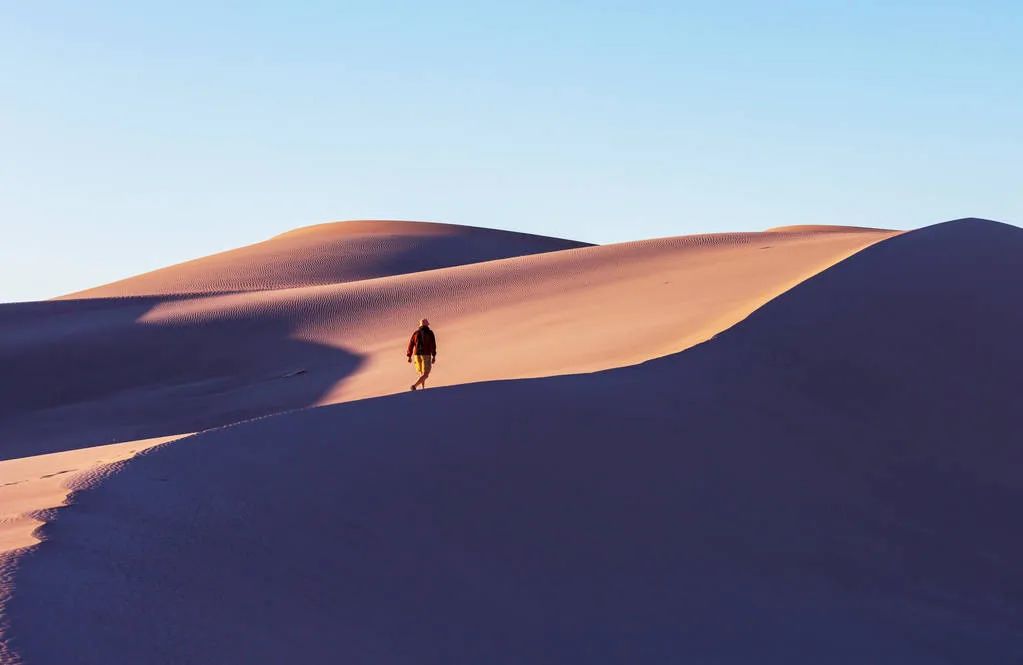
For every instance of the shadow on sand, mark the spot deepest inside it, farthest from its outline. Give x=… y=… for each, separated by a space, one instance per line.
x=80 y=373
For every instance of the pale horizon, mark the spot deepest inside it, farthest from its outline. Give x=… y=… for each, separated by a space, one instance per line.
x=140 y=137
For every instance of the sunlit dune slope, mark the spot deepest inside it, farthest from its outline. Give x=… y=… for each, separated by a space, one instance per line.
x=833 y=480
x=88 y=372
x=31 y=484
x=335 y=252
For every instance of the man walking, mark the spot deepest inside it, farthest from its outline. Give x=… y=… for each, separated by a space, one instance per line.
x=424 y=345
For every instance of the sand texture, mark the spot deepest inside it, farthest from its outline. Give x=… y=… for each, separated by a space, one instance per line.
x=799 y=446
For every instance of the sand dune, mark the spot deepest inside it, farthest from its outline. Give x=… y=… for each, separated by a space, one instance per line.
x=103 y=370
x=832 y=480
x=330 y=253
x=31 y=484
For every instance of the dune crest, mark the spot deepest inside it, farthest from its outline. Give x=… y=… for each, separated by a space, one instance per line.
x=331 y=253
x=408 y=228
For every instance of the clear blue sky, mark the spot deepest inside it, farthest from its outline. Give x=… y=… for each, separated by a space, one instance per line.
x=138 y=134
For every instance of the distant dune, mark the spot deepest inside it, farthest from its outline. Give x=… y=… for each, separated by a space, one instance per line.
x=331 y=253
x=796 y=446
x=137 y=368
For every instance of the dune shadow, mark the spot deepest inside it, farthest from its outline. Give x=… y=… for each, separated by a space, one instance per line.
x=87 y=372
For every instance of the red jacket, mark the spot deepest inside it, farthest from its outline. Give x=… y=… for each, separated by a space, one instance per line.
x=423 y=343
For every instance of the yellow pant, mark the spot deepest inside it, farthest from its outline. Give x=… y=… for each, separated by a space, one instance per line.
x=423 y=364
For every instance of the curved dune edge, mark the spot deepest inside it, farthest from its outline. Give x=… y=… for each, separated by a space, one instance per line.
x=828 y=528
x=583 y=310
x=374 y=227
x=329 y=253
x=32 y=484
x=408 y=227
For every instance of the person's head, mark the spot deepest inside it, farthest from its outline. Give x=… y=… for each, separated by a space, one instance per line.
x=424 y=323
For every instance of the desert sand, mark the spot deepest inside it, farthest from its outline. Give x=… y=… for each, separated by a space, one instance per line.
x=790 y=446
x=331 y=253
x=32 y=484
x=147 y=366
